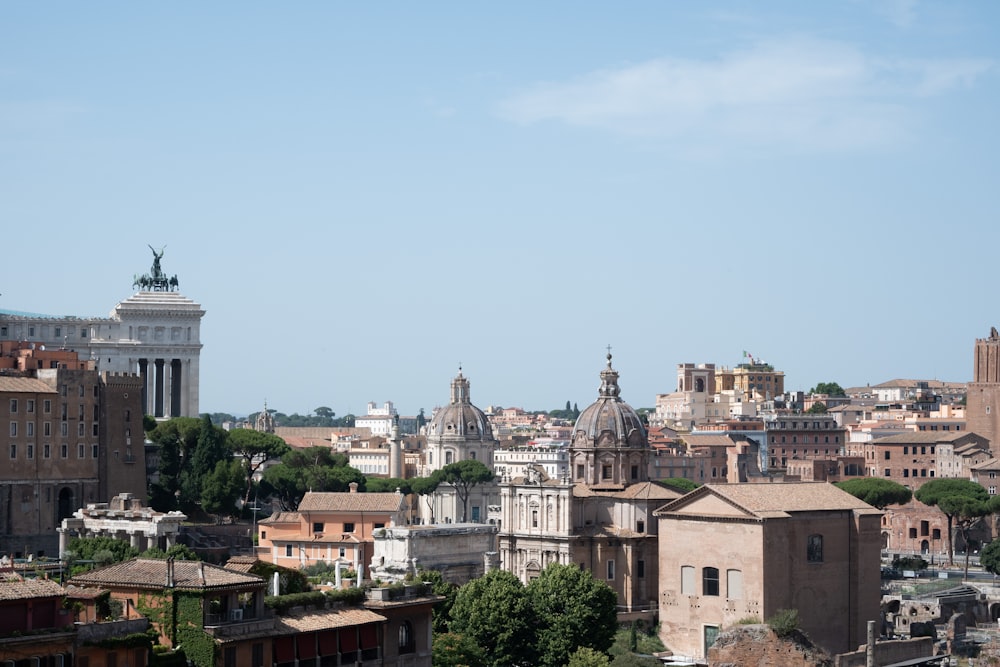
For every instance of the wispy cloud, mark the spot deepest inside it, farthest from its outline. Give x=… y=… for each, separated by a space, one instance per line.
x=803 y=94
x=901 y=13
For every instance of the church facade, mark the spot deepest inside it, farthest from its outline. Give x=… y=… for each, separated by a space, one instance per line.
x=599 y=515
x=457 y=432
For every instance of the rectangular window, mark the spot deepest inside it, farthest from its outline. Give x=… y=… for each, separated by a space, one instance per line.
x=288 y=550
x=640 y=526
x=94 y=430
x=343 y=552
x=13 y=451
x=79 y=430
x=47 y=407
x=46 y=451
x=687 y=580
x=30 y=429
x=64 y=429
x=317 y=527
x=611 y=570
x=579 y=471
x=64 y=450
x=13 y=429
x=13 y=406
x=887 y=455
x=640 y=569
x=81 y=451
x=31 y=451
x=94 y=451
x=734 y=584
x=888 y=473
x=29 y=405
x=710 y=581
x=348 y=527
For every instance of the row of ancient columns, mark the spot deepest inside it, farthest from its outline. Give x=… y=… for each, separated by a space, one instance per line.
x=163 y=385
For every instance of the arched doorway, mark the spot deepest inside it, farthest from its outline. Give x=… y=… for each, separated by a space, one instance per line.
x=925 y=547
x=67 y=504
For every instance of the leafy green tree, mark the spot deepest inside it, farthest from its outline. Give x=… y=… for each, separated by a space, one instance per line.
x=464 y=475
x=210 y=448
x=587 y=657
x=255 y=449
x=831 y=389
x=495 y=613
x=817 y=408
x=176 y=551
x=876 y=491
x=312 y=469
x=425 y=487
x=324 y=412
x=222 y=488
x=388 y=485
x=162 y=494
x=442 y=609
x=989 y=557
x=104 y=550
x=572 y=609
x=950 y=495
x=679 y=484
x=454 y=650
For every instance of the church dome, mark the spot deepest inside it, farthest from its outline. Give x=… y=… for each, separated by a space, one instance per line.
x=460 y=419
x=609 y=422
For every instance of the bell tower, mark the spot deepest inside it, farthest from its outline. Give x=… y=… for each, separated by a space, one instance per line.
x=982 y=409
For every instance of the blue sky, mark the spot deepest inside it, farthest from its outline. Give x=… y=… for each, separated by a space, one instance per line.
x=364 y=196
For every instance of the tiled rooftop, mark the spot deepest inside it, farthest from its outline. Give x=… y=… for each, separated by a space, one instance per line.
x=351 y=502
x=152 y=573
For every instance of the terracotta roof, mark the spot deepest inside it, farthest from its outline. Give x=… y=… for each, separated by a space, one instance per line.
x=152 y=573
x=351 y=502
x=24 y=385
x=708 y=440
x=641 y=490
x=990 y=464
x=778 y=499
x=29 y=588
x=326 y=619
x=241 y=563
x=282 y=517
x=926 y=437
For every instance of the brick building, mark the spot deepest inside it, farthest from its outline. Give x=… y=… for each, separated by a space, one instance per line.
x=69 y=442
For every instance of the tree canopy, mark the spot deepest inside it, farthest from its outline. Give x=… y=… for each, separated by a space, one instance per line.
x=255 y=449
x=312 y=469
x=876 y=491
x=960 y=500
x=817 y=408
x=495 y=613
x=464 y=475
x=571 y=609
x=828 y=388
x=989 y=557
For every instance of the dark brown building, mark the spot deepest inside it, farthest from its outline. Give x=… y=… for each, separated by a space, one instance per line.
x=74 y=436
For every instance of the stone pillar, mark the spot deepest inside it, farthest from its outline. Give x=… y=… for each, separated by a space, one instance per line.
x=176 y=387
x=62 y=540
x=133 y=540
x=144 y=374
x=158 y=389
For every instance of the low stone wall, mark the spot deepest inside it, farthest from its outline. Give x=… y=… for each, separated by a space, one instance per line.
x=889 y=652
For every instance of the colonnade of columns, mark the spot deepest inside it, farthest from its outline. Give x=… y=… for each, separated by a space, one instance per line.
x=165 y=384
x=138 y=538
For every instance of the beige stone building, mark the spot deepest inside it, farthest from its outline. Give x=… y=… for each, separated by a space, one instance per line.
x=733 y=551
x=600 y=515
x=457 y=432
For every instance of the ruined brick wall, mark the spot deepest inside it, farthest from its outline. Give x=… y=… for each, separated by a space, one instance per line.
x=758 y=646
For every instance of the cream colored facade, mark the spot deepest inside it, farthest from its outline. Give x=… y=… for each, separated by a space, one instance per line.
x=599 y=516
x=734 y=551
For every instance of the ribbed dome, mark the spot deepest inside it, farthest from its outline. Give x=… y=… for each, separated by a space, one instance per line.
x=460 y=419
x=609 y=422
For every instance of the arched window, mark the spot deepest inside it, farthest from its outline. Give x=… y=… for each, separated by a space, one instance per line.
x=67 y=505
x=814 y=549
x=406 y=644
x=449 y=458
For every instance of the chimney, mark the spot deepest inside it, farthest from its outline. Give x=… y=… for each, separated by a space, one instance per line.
x=354 y=487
